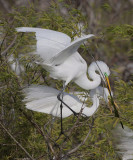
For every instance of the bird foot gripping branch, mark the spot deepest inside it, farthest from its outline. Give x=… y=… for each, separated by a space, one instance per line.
x=111 y=100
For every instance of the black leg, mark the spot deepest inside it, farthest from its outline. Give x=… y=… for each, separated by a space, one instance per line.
x=62 y=102
x=59 y=98
x=62 y=132
x=61 y=106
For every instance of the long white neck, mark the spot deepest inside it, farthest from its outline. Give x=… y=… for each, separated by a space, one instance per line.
x=85 y=83
x=91 y=110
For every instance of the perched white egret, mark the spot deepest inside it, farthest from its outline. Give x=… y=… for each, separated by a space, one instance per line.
x=44 y=99
x=61 y=59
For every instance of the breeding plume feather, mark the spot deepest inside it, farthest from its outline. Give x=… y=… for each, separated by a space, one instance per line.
x=123 y=139
x=44 y=99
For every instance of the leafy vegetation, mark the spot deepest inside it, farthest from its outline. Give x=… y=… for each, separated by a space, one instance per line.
x=37 y=133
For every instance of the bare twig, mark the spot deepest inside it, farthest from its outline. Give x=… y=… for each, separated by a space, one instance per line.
x=82 y=143
x=12 y=137
x=40 y=131
x=11 y=44
x=6 y=34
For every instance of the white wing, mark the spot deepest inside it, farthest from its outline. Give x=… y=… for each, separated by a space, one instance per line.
x=69 y=50
x=49 y=42
x=52 y=46
x=44 y=99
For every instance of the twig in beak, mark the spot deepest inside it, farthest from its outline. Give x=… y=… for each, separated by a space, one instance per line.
x=111 y=99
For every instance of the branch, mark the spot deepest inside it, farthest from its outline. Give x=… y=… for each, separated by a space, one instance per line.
x=82 y=143
x=16 y=142
x=12 y=43
x=39 y=130
x=73 y=127
x=5 y=37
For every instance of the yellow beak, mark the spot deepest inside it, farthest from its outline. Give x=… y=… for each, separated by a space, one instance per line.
x=111 y=100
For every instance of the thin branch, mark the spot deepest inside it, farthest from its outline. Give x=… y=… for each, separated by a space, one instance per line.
x=82 y=143
x=16 y=141
x=17 y=43
x=5 y=37
x=11 y=44
x=39 y=129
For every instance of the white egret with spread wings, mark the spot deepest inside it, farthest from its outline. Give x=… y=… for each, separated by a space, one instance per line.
x=62 y=60
x=44 y=99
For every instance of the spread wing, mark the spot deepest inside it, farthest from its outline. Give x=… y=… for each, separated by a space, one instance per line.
x=69 y=50
x=44 y=99
x=52 y=46
x=49 y=42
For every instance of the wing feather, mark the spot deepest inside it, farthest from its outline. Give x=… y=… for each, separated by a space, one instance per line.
x=52 y=46
x=49 y=42
x=44 y=99
x=69 y=50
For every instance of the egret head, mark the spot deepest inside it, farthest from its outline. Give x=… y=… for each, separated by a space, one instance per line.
x=101 y=67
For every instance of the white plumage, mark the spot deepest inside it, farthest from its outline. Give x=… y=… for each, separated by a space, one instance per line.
x=124 y=142
x=54 y=47
x=44 y=99
x=61 y=59
x=15 y=65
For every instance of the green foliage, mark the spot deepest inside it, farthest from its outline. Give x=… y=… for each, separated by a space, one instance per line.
x=22 y=123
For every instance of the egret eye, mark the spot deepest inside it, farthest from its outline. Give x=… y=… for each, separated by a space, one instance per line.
x=97 y=72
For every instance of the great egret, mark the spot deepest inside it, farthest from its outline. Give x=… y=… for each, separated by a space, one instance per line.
x=61 y=59
x=44 y=99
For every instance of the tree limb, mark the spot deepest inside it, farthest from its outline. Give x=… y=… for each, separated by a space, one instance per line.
x=39 y=129
x=82 y=143
x=16 y=141
x=11 y=44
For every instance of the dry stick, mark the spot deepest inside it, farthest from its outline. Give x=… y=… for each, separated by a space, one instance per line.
x=77 y=121
x=73 y=127
x=49 y=136
x=4 y=52
x=11 y=44
x=83 y=142
x=69 y=133
x=3 y=40
x=18 y=43
x=38 y=128
x=82 y=123
x=5 y=37
x=116 y=112
x=16 y=141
